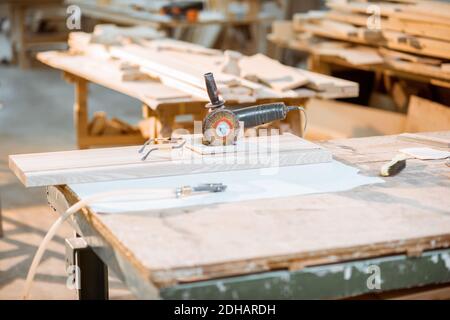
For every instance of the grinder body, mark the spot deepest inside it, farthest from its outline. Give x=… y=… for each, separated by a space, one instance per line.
x=222 y=125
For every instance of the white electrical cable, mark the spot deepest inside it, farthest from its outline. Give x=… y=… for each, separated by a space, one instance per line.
x=150 y=194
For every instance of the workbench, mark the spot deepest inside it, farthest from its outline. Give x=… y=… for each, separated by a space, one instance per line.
x=81 y=70
x=128 y=16
x=311 y=246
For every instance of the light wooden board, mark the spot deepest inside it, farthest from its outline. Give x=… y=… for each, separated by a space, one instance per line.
x=337 y=119
x=407 y=214
x=393 y=54
x=426 y=70
x=358 y=55
x=424 y=29
x=357 y=19
x=78 y=166
x=440 y=142
x=430 y=47
x=338 y=30
x=426 y=115
x=272 y=73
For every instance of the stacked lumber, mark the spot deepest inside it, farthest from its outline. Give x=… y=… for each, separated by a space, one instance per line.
x=182 y=65
x=100 y=125
x=411 y=36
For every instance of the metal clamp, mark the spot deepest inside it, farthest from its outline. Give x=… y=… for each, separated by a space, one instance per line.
x=160 y=144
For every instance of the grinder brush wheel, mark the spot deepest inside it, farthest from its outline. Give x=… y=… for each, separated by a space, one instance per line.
x=220 y=127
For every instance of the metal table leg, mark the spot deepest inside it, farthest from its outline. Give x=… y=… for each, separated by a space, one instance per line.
x=87 y=270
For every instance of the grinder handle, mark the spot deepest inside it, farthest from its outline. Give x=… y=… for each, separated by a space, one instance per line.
x=213 y=92
x=261 y=114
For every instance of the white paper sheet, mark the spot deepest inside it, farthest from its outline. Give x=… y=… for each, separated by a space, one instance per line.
x=241 y=185
x=426 y=153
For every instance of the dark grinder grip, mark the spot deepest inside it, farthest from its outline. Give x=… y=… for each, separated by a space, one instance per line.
x=261 y=114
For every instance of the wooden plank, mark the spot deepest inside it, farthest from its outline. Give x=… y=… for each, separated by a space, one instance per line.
x=426 y=70
x=424 y=139
x=416 y=44
x=337 y=119
x=435 y=11
x=340 y=31
x=331 y=85
x=65 y=167
x=408 y=57
x=425 y=115
x=418 y=28
x=271 y=72
x=181 y=46
x=357 y=55
x=356 y=19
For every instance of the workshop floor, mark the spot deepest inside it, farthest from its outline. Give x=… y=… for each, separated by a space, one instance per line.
x=36 y=116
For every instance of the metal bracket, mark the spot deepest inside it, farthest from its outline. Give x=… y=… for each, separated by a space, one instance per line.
x=87 y=272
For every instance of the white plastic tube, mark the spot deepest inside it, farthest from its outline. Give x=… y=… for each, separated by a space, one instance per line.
x=150 y=194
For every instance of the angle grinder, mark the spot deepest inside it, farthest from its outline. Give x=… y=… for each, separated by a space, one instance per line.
x=221 y=125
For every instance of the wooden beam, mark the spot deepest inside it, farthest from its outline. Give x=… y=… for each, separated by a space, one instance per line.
x=81 y=112
x=78 y=166
x=425 y=115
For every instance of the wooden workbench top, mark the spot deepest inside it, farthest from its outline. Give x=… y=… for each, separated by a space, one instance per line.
x=408 y=213
x=107 y=73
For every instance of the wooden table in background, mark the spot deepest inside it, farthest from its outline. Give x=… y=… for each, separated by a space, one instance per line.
x=311 y=246
x=22 y=40
x=82 y=70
